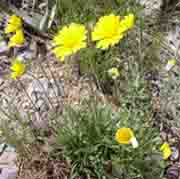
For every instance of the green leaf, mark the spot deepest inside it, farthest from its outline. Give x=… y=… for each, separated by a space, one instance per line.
x=52 y=15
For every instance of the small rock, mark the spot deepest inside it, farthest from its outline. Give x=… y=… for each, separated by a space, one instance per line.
x=175 y=154
x=3 y=47
x=7 y=164
x=7 y=149
x=7 y=160
x=26 y=55
x=173 y=172
x=9 y=173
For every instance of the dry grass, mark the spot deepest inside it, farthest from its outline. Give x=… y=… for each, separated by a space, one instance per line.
x=39 y=165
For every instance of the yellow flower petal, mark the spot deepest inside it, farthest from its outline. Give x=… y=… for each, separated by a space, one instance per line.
x=18 y=69
x=107 y=31
x=128 y=22
x=165 y=148
x=17 y=39
x=69 y=40
x=126 y=136
x=14 y=24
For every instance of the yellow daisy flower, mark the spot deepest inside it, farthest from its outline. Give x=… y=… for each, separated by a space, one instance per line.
x=126 y=136
x=113 y=72
x=17 y=38
x=18 y=68
x=165 y=148
x=14 y=24
x=69 y=40
x=107 y=31
x=127 y=23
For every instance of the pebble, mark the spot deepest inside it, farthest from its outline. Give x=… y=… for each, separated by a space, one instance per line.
x=3 y=47
x=9 y=173
x=7 y=163
x=175 y=154
x=173 y=172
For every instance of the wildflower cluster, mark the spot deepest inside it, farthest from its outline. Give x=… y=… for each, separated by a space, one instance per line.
x=14 y=26
x=108 y=31
x=92 y=132
x=92 y=136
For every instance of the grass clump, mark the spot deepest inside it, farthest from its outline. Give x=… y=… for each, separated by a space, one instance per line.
x=117 y=43
x=87 y=136
x=87 y=139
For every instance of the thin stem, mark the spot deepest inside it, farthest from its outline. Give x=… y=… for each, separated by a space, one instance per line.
x=93 y=69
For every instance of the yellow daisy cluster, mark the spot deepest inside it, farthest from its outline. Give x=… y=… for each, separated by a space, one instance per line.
x=108 y=31
x=126 y=136
x=18 y=68
x=14 y=26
